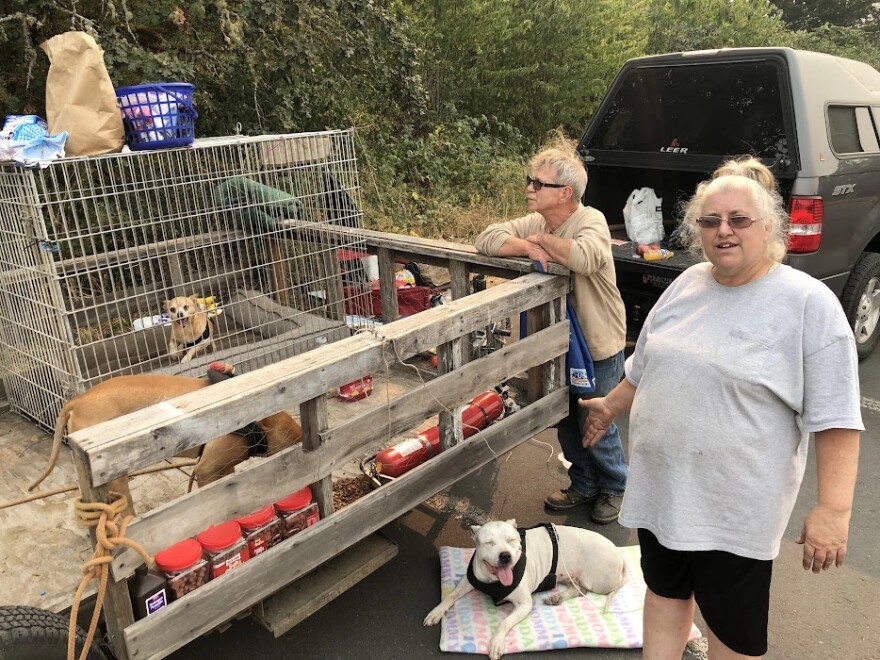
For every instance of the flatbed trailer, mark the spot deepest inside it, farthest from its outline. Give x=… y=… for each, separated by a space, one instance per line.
x=282 y=586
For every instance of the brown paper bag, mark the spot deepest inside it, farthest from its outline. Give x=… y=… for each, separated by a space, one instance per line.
x=79 y=96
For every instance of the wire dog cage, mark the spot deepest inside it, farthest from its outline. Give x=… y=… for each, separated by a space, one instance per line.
x=91 y=248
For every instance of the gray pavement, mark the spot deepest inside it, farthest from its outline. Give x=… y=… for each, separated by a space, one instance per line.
x=826 y=616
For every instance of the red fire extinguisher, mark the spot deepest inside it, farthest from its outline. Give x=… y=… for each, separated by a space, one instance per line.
x=404 y=456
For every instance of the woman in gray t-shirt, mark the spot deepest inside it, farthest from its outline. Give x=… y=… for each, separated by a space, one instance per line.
x=737 y=363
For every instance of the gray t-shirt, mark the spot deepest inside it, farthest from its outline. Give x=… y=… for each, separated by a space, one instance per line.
x=730 y=381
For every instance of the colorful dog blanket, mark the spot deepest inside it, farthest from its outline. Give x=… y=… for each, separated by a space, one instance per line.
x=470 y=622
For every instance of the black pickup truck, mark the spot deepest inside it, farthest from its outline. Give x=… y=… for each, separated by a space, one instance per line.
x=668 y=121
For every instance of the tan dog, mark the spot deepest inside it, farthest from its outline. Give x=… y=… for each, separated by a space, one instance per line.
x=191 y=329
x=125 y=394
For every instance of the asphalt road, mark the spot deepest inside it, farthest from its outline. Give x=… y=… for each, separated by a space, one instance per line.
x=823 y=617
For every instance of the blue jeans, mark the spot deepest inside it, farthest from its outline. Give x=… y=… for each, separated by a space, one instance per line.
x=601 y=468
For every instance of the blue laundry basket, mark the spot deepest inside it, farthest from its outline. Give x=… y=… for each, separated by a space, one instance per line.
x=157 y=115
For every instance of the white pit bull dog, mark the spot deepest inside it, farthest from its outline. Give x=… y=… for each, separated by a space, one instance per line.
x=501 y=569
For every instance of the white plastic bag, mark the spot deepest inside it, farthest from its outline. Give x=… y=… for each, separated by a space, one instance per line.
x=643 y=216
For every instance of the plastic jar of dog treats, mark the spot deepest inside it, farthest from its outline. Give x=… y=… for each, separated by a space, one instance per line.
x=224 y=547
x=183 y=566
x=261 y=530
x=297 y=511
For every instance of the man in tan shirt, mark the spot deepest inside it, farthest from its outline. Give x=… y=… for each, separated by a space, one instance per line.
x=559 y=228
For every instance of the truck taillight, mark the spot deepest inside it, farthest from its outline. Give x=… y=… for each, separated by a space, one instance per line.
x=805 y=232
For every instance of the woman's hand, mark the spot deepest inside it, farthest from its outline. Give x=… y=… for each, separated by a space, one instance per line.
x=824 y=536
x=604 y=409
x=826 y=528
x=601 y=417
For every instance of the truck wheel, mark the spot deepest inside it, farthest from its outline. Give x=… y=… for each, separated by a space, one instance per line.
x=861 y=302
x=29 y=633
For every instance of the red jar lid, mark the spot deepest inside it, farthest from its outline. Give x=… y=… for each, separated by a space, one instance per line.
x=220 y=536
x=179 y=556
x=301 y=498
x=257 y=518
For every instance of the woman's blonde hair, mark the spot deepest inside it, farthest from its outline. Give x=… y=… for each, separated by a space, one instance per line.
x=754 y=178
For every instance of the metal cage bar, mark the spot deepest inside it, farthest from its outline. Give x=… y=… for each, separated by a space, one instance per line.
x=91 y=248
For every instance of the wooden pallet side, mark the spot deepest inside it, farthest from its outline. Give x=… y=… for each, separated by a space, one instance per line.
x=182 y=621
x=120 y=446
x=294 y=468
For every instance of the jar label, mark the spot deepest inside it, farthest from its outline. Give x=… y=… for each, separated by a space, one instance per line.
x=156 y=602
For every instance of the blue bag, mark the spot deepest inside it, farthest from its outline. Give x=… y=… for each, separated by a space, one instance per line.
x=579 y=374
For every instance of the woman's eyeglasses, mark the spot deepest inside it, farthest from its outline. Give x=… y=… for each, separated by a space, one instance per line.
x=537 y=184
x=734 y=221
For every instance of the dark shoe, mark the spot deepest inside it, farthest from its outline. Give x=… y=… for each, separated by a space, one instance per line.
x=567 y=498
x=606 y=509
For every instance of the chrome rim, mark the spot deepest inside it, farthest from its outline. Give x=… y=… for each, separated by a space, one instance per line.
x=868 y=312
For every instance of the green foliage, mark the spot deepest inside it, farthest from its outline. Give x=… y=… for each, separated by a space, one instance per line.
x=812 y=14
x=447 y=182
x=450 y=97
x=272 y=65
x=680 y=25
x=535 y=64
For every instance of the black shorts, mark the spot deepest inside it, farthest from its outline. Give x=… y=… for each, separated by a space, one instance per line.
x=733 y=592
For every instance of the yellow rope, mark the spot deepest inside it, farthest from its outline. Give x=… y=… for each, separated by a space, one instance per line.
x=110 y=534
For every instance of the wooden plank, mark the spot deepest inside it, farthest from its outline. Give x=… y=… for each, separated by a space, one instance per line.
x=335 y=300
x=122 y=445
x=118 y=613
x=453 y=354
x=284 y=609
x=413 y=248
x=449 y=390
x=290 y=470
x=450 y=356
x=388 y=286
x=553 y=377
x=170 y=628
x=535 y=320
x=313 y=418
x=458 y=279
x=140 y=252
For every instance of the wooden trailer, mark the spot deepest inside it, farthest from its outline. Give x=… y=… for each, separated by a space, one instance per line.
x=118 y=447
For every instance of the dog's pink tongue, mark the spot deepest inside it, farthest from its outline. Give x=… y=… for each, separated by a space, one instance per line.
x=505 y=575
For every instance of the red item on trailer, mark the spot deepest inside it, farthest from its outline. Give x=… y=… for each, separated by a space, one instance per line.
x=404 y=456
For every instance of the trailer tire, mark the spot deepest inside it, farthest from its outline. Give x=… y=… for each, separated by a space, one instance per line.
x=31 y=633
x=861 y=302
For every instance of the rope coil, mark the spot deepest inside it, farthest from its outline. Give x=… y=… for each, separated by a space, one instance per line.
x=110 y=534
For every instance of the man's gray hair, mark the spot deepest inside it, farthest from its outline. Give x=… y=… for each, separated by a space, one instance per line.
x=567 y=166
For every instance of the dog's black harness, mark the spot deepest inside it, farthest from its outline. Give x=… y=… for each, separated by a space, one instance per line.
x=199 y=340
x=257 y=441
x=498 y=591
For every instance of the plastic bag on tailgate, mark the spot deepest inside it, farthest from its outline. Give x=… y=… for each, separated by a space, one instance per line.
x=643 y=216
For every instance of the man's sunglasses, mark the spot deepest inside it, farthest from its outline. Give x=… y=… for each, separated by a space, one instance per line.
x=537 y=184
x=734 y=221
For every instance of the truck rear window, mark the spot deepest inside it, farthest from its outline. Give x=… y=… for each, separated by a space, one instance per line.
x=719 y=109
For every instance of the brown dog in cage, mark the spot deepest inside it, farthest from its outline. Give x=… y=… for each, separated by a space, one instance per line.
x=191 y=329
x=125 y=394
